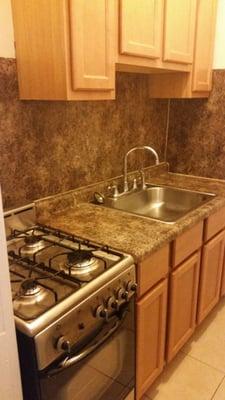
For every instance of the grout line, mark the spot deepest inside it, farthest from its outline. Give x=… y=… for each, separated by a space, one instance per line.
x=220 y=384
x=204 y=363
x=167 y=129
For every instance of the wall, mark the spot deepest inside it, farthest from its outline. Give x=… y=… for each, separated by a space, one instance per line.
x=49 y=147
x=196 y=142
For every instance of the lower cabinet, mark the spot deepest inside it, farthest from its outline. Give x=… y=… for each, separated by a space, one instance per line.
x=183 y=304
x=194 y=266
x=222 y=292
x=151 y=329
x=211 y=272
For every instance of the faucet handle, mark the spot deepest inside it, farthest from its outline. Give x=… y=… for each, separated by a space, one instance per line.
x=142 y=173
x=134 y=184
x=114 y=190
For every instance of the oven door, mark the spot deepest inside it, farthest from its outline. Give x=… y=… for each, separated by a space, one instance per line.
x=103 y=370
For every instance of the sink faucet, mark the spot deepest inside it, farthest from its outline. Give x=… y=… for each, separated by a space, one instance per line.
x=125 y=163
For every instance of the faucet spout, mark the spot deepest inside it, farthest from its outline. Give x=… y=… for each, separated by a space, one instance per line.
x=148 y=148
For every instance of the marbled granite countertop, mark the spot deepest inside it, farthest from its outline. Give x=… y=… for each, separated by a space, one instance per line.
x=132 y=234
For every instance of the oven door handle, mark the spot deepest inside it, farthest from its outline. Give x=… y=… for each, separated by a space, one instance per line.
x=70 y=361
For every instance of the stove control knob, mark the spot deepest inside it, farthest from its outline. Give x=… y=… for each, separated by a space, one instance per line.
x=63 y=345
x=131 y=286
x=101 y=312
x=111 y=302
x=115 y=305
x=121 y=293
x=125 y=295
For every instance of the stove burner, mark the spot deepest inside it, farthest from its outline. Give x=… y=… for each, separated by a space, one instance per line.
x=80 y=257
x=32 y=297
x=32 y=244
x=32 y=239
x=29 y=287
x=80 y=262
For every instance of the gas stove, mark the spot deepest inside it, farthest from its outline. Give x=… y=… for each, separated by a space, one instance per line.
x=72 y=300
x=50 y=270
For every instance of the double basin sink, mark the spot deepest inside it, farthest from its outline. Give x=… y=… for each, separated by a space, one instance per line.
x=162 y=203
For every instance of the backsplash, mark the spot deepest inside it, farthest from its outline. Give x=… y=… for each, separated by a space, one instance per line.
x=196 y=142
x=47 y=147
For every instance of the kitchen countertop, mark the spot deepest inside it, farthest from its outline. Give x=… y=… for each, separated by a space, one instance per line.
x=138 y=236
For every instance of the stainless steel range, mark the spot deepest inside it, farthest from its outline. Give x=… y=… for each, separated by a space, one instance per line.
x=73 y=307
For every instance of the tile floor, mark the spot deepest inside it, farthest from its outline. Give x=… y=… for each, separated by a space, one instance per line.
x=198 y=371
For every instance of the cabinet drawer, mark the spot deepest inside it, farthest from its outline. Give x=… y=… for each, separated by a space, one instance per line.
x=187 y=243
x=214 y=223
x=151 y=270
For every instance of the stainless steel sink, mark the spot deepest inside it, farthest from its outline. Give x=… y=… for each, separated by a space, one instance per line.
x=162 y=203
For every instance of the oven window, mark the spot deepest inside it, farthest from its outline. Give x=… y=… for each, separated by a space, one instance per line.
x=105 y=375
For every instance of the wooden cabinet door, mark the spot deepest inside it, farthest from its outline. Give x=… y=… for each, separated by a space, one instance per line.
x=141 y=24
x=210 y=278
x=179 y=24
x=151 y=326
x=92 y=48
x=183 y=304
x=204 y=44
x=222 y=292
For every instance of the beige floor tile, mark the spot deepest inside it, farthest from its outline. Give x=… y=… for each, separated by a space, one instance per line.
x=220 y=393
x=208 y=342
x=186 y=379
x=130 y=396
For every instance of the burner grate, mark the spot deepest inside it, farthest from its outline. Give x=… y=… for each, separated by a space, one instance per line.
x=28 y=283
x=48 y=231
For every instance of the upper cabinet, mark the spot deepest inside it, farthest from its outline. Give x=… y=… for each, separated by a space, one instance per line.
x=198 y=82
x=146 y=35
x=91 y=44
x=179 y=30
x=65 y=49
x=141 y=24
x=70 y=49
x=206 y=22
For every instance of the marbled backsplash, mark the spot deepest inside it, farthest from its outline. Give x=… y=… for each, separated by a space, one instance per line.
x=49 y=147
x=197 y=133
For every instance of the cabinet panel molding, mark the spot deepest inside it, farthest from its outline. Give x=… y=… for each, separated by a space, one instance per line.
x=183 y=304
x=92 y=48
x=179 y=30
x=222 y=292
x=206 y=23
x=151 y=328
x=210 y=277
x=141 y=27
